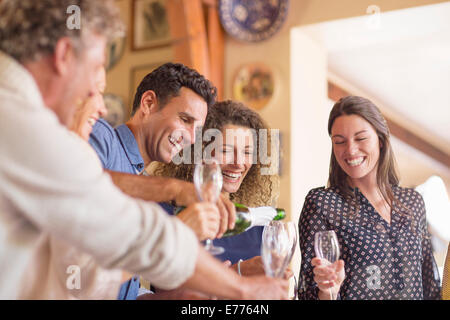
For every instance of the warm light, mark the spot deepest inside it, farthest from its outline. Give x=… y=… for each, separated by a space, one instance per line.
x=437 y=205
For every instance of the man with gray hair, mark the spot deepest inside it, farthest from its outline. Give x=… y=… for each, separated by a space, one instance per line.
x=52 y=186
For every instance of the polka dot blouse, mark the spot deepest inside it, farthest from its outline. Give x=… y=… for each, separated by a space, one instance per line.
x=382 y=260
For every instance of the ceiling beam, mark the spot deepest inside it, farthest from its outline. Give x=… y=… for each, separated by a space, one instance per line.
x=400 y=132
x=216 y=45
x=199 y=40
x=187 y=25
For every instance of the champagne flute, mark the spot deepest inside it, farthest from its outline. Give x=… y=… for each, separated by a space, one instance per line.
x=326 y=246
x=278 y=245
x=208 y=184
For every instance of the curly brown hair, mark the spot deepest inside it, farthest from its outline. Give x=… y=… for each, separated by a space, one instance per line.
x=256 y=189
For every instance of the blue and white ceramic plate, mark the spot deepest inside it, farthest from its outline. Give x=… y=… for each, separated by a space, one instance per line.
x=253 y=20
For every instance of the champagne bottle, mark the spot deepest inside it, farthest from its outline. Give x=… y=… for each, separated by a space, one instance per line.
x=247 y=218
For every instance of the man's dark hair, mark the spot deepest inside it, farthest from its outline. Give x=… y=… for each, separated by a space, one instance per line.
x=167 y=80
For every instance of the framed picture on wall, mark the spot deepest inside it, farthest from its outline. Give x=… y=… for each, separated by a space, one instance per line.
x=150 y=26
x=136 y=75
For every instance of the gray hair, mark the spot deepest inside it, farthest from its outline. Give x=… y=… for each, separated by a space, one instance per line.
x=30 y=29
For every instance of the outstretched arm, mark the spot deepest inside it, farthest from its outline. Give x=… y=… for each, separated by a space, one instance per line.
x=213 y=278
x=152 y=188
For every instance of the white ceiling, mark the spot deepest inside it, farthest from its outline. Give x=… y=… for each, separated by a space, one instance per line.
x=400 y=57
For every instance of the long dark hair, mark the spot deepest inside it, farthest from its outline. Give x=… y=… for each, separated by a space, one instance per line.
x=386 y=172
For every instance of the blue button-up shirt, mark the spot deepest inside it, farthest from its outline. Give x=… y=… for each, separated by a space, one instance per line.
x=118 y=151
x=117 y=148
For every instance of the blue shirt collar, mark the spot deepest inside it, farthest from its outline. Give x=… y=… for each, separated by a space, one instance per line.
x=130 y=146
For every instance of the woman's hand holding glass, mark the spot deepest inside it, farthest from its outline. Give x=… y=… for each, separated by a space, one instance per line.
x=329 y=277
x=328 y=271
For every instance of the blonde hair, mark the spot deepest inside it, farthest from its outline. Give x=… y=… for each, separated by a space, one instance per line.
x=30 y=29
x=256 y=189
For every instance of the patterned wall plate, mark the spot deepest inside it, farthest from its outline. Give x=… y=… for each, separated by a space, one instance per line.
x=253 y=20
x=254 y=85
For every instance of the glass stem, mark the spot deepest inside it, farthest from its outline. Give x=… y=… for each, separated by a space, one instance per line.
x=332 y=295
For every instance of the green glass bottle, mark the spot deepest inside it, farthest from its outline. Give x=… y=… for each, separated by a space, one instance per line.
x=281 y=214
x=243 y=221
x=250 y=217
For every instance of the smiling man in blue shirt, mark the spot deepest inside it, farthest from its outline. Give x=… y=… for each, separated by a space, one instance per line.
x=170 y=103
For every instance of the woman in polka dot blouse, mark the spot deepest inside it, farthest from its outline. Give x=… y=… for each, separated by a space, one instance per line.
x=381 y=228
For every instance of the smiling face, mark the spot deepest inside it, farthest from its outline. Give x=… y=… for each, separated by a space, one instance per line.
x=356 y=147
x=94 y=108
x=235 y=156
x=172 y=127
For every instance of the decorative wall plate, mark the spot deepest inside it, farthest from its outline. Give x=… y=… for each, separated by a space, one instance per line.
x=253 y=20
x=115 y=107
x=254 y=85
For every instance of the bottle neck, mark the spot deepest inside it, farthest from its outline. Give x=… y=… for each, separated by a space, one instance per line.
x=281 y=214
x=241 y=208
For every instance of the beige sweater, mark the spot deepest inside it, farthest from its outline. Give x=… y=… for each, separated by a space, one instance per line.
x=51 y=187
x=69 y=273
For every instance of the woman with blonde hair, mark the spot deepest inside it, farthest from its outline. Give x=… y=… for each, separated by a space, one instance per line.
x=90 y=110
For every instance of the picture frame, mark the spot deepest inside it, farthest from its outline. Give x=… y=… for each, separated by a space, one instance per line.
x=150 y=26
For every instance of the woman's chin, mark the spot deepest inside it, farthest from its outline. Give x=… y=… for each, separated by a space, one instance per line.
x=230 y=187
x=357 y=175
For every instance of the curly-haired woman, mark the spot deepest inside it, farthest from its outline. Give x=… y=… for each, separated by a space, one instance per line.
x=244 y=180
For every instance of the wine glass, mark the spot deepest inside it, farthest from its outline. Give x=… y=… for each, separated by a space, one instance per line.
x=278 y=245
x=208 y=184
x=326 y=246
